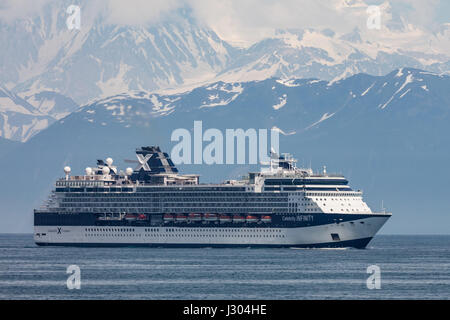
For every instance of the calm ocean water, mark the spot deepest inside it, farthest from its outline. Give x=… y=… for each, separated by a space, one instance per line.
x=412 y=267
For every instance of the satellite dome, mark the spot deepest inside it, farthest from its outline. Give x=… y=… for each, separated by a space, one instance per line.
x=88 y=171
x=67 y=170
x=109 y=161
x=129 y=171
x=105 y=170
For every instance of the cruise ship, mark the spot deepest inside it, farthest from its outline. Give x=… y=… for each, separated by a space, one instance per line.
x=154 y=205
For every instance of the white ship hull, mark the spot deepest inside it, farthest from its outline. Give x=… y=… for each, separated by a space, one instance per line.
x=354 y=233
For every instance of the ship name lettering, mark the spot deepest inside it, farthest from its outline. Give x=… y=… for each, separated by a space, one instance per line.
x=298 y=218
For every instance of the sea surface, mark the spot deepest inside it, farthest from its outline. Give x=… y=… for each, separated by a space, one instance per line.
x=411 y=267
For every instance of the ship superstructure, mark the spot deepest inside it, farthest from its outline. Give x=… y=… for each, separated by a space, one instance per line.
x=155 y=205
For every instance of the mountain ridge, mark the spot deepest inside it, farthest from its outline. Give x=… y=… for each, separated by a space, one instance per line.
x=385 y=133
x=23 y=117
x=103 y=59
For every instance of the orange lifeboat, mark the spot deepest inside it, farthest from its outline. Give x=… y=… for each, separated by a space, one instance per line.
x=130 y=217
x=210 y=217
x=266 y=219
x=238 y=219
x=168 y=217
x=180 y=218
x=142 y=217
x=195 y=217
x=251 y=219
x=224 y=218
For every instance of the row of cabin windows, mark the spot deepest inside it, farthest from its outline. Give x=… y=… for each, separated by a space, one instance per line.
x=174 y=200
x=265 y=230
x=174 y=194
x=109 y=229
x=340 y=194
x=190 y=235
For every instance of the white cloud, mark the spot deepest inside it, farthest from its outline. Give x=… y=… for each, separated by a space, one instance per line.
x=139 y=12
x=247 y=21
x=130 y=12
x=252 y=20
x=11 y=10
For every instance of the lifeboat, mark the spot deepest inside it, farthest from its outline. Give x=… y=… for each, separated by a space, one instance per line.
x=210 y=217
x=180 y=218
x=266 y=219
x=251 y=219
x=130 y=217
x=195 y=217
x=142 y=217
x=238 y=219
x=168 y=217
x=224 y=218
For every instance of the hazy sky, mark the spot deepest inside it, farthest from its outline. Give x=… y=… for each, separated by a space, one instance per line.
x=246 y=21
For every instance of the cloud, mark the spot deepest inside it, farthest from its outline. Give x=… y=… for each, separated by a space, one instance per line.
x=247 y=21
x=251 y=20
x=139 y=12
x=11 y=10
x=130 y=12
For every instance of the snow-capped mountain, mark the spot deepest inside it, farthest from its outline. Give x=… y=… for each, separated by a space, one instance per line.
x=52 y=104
x=274 y=100
x=365 y=125
x=102 y=59
x=178 y=52
x=49 y=66
x=21 y=118
x=326 y=55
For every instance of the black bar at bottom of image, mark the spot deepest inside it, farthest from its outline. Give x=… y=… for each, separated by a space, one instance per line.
x=215 y=309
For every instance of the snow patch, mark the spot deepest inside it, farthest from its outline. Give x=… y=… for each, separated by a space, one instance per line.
x=367 y=90
x=6 y=104
x=213 y=97
x=409 y=79
x=405 y=93
x=288 y=83
x=115 y=84
x=428 y=73
x=282 y=103
x=274 y=128
x=324 y=117
x=226 y=89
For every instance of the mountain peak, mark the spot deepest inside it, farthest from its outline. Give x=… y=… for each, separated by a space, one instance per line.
x=354 y=36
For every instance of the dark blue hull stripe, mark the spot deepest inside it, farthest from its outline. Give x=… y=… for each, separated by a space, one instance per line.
x=356 y=243
x=299 y=220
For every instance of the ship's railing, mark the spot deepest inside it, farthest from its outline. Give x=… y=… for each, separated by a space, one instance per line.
x=87 y=178
x=299 y=174
x=332 y=175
